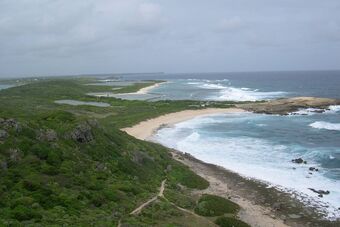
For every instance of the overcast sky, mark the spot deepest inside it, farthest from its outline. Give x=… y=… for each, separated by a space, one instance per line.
x=50 y=37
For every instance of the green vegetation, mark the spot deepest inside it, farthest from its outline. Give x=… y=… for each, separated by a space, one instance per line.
x=187 y=178
x=181 y=198
x=230 y=222
x=211 y=205
x=71 y=165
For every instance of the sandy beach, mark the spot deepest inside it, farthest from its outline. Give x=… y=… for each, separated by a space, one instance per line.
x=260 y=205
x=145 y=129
x=145 y=90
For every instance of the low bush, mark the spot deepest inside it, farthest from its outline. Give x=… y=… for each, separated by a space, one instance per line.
x=230 y=222
x=211 y=205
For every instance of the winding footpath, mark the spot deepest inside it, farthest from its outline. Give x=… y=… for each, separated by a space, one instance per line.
x=161 y=195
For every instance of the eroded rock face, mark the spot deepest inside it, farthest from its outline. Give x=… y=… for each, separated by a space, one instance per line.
x=47 y=135
x=82 y=133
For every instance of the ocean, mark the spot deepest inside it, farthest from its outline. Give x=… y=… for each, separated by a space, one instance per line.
x=260 y=146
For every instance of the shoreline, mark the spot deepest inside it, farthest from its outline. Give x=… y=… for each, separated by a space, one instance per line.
x=261 y=205
x=146 y=90
x=146 y=129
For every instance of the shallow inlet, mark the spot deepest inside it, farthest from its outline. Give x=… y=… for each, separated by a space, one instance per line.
x=82 y=103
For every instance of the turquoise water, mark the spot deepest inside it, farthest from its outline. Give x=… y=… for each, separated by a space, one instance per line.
x=5 y=86
x=263 y=146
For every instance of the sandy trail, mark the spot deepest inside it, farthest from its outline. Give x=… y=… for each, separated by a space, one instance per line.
x=145 y=129
x=160 y=194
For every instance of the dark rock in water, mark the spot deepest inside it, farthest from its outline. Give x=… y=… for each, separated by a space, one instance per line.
x=298 y=160
x=313 y=169
x=82 y=133
x=3 y=134
x=47 y=135
x=320 y=192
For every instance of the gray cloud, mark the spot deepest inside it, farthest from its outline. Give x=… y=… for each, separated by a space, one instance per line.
x=93 y=36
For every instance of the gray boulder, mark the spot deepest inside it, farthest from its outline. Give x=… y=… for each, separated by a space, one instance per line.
x=47 y=135
x=82 y=133
x=9 y=124
x=3 y=134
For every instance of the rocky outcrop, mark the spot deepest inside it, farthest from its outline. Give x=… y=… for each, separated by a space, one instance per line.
x=320 y=193
x=289 y=105
x=48 y=135
x=3 y=135
x=82 y=133
x=15 y=155
x=140 y=157
x=313 y=169
x=299 y=161
x=10 y=124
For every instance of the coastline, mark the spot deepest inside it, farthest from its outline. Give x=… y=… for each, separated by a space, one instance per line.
x=145 y=129
x=260 y=205
x=145 y=90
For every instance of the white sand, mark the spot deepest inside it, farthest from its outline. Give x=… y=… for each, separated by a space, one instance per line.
x=146 y=90
x=145 y=129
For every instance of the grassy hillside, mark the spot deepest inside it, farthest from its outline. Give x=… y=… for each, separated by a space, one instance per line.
x=71 y=165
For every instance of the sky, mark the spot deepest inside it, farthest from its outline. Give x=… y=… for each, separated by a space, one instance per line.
x=63 y=37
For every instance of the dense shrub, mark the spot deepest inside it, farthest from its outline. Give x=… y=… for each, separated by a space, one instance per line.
x=230 y=222
x=23 y=213
x=186 y=177
x=211 y=205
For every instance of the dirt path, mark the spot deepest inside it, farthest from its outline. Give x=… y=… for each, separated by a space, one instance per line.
x=160 y=194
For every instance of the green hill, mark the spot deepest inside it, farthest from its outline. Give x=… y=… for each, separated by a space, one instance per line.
x=71 y=165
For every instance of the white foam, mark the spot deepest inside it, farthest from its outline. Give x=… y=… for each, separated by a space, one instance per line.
x=334 y=108
x=239 y=94
x=307 y=111
x=228 y=93
x=255 y=158
x=212 y=86
x=326 y=125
